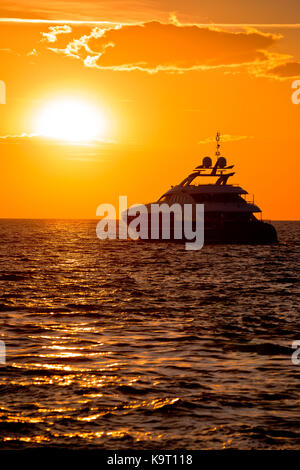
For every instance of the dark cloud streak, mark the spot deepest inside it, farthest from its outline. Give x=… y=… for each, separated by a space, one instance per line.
x=155 y=46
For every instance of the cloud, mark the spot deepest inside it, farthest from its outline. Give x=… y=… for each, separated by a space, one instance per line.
x=79 y=48
x=285 y=71
x=172 y=47
x=150 y=47
x=225 y=138
x=87 y=11
x=18 y=138
x=145 y=10
x=33 y=138
x=51 y=36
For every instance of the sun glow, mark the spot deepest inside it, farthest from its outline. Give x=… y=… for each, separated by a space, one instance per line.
x=71 y=120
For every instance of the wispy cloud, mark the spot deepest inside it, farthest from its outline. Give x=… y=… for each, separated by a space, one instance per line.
x=54 y=31
x=17 y=138
x=155 y=47
x=169 y=47
x=225 y=138
x=210 y=24
x=285 y=71
x=73 y=10
x=40 y=139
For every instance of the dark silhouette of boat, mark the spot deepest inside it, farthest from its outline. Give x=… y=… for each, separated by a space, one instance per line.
x=228 y=216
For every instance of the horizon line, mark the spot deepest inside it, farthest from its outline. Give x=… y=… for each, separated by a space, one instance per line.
x=97 y=218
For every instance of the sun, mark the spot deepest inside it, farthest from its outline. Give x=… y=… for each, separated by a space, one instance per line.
x=71 y=120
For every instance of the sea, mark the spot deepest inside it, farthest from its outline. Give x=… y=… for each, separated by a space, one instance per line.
x=122 y=344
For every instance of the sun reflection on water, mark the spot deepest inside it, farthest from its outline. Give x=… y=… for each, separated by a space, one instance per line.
x=143 y=346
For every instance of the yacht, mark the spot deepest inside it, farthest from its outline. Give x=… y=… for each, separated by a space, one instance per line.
x=228 y=216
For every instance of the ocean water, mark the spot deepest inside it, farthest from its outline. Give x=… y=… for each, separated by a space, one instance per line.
x=124 y=344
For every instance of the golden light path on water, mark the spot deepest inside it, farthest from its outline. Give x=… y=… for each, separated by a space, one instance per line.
x=127 y=347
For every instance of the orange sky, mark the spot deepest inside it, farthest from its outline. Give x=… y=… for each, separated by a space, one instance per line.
x=165 y=84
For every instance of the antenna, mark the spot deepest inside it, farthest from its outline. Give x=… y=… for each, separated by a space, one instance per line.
x=218 y=138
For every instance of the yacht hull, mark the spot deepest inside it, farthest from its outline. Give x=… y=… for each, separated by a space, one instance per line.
x=254 y=232
x=251 y=233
